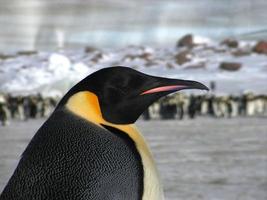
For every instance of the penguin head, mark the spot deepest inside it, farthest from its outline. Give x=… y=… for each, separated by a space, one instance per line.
x=124 y=93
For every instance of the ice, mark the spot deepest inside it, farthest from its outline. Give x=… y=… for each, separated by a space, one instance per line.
x=204 y=158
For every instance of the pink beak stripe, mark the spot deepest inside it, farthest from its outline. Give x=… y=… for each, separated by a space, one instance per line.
x=164 y=88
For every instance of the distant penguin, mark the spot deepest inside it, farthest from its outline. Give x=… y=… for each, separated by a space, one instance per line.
x=89 y=148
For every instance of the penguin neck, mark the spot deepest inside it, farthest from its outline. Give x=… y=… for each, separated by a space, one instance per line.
x=86 y=105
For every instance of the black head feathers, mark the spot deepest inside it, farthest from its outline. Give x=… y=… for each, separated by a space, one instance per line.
x=124 y=93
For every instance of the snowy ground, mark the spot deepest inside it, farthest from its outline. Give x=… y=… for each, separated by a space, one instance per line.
x=53 y=73
x=202 y=159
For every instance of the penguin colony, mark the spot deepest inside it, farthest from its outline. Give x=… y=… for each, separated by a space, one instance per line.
x=89 y=148
x=176 y=106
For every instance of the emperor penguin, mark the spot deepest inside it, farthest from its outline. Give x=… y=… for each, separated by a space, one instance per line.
x=89 y=148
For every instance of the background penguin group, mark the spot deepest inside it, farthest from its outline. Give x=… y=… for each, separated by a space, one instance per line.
x=89 y=147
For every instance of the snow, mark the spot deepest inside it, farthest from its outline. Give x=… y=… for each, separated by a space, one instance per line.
x=58 y=63
x=55 y=72
x=201 y=40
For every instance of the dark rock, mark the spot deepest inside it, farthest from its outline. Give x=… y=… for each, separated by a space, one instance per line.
x=215 y=49
x=218 y=50
x=90 y=49
x=260 y=47
x=170 y=66
x=186 y=41
x=182 y=57
x=97 y=57
x=6 y=56
x=24 y=67
x=201 y=65
x=231 y=43
x=146 y=56
x=241 y=52
x=151 y=63
x=230 y=66
x=27 y=53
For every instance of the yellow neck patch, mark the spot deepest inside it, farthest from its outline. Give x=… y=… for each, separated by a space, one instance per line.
x=86 y=105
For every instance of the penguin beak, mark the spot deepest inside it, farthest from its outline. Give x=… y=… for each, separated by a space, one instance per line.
x=173 y=85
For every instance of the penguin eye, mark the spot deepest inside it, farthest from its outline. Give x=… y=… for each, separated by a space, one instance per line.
x=114 y=95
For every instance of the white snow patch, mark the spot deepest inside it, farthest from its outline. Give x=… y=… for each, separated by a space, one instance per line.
x=201 y=40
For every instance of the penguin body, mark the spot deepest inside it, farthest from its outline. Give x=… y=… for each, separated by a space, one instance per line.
x=79 y=161
x=89 y=148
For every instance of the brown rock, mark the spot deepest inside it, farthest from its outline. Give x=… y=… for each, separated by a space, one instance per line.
x=90 y=49
x=201 y=65
x=261 y=47
x=182 y=57
x=230 y=66
x=231 y=43
x=186 y=41
x=146 y=56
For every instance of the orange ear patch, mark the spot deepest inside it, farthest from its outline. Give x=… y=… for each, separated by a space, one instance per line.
x=86 y=105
